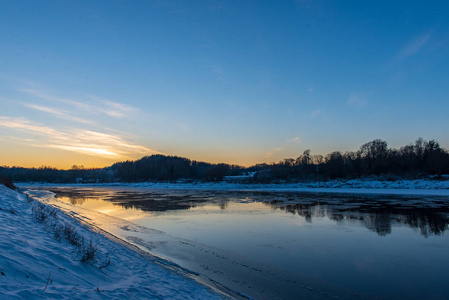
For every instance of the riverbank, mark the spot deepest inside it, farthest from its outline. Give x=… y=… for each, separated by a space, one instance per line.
x=358 y=186
x=38 y=261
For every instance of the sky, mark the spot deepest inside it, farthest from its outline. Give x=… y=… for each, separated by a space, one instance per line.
x=242 y=82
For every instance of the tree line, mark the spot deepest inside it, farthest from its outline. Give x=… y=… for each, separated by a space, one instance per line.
x=161 y=167
x=422 y=158
x=148 y=168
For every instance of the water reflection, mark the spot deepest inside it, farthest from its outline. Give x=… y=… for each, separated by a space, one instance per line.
x=278 y=243
x=427 y=214
x=145 y=201
x=378 y=214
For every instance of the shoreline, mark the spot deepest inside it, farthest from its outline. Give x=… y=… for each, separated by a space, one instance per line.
x=35 y=264
x=424 y=187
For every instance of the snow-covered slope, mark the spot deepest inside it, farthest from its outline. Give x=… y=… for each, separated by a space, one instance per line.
x=34 y=264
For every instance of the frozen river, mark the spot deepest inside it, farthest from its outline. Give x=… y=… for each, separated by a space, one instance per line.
x=282 y=245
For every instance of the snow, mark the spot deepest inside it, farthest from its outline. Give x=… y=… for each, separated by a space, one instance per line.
x=357 y=186
x=33 y=264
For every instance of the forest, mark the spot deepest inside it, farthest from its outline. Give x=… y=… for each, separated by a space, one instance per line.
x=419 y=159
x=422 y=158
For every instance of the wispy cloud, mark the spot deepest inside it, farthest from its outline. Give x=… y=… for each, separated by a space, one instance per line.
x=76 y=140
x=86 y=149
x=414 y=46
x=42 y=95
x=218 y=72
x=99 y=106
x=112 y=108
x=23 y=124
x=296 y=140
x=314 y=114
x=270 y=154
x=357 y=100
x=57 y=112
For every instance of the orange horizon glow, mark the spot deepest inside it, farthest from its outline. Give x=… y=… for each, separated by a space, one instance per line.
x=62 y=164
x=60 y=159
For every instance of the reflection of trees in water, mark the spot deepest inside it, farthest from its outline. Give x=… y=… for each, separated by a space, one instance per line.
x=428 y=223
x=428 y=215
x=77 y=196
x=378 y=218
x=301 y=209
x=146 y=201
x=136 y=200
x=77 y=200
x=155 y=205
x=156 y=202
x=379 y=223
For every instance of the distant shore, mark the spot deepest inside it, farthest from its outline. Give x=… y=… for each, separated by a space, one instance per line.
x=359 y=186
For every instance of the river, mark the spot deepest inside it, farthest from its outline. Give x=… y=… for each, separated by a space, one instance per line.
x=281 y=245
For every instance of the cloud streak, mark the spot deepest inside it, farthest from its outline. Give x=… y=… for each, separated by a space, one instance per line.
x=414 y=46
x=57 y=112
x=102 y=106
x=76 y=140
x=314 y=114
x=270 y=154
x=86 y=149
x=296 y=140
x=25 y=125
x=113 y=109
x=357 y=100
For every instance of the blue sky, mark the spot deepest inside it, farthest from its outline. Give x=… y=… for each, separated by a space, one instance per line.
x=94 y=82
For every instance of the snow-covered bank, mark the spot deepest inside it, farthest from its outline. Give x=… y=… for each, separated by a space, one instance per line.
x=359 y=186
x=33 y=264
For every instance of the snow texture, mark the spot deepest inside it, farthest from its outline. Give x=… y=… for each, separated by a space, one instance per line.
x=34 y=264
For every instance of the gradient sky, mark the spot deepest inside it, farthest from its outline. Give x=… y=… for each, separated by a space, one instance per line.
x=244 y=82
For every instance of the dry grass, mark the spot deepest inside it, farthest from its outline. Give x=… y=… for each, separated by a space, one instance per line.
x=61 y=230
x=88 y=253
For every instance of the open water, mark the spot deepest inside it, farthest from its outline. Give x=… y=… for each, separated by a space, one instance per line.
x=282 y=245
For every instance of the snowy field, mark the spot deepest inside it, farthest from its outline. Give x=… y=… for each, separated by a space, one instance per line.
x=359 y=186
x=36 y=262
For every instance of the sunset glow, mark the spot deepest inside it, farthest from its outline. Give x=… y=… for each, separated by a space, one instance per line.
x=242 y=83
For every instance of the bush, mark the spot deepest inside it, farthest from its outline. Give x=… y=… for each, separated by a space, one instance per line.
x=7 y=182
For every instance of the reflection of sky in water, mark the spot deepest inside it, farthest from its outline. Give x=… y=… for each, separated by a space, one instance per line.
x=379 y=214
x=383 y=246
x=106 y=207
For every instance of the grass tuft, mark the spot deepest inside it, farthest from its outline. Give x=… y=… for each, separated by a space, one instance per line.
x=72 y=236
x=88 y=253
x=39 y=213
